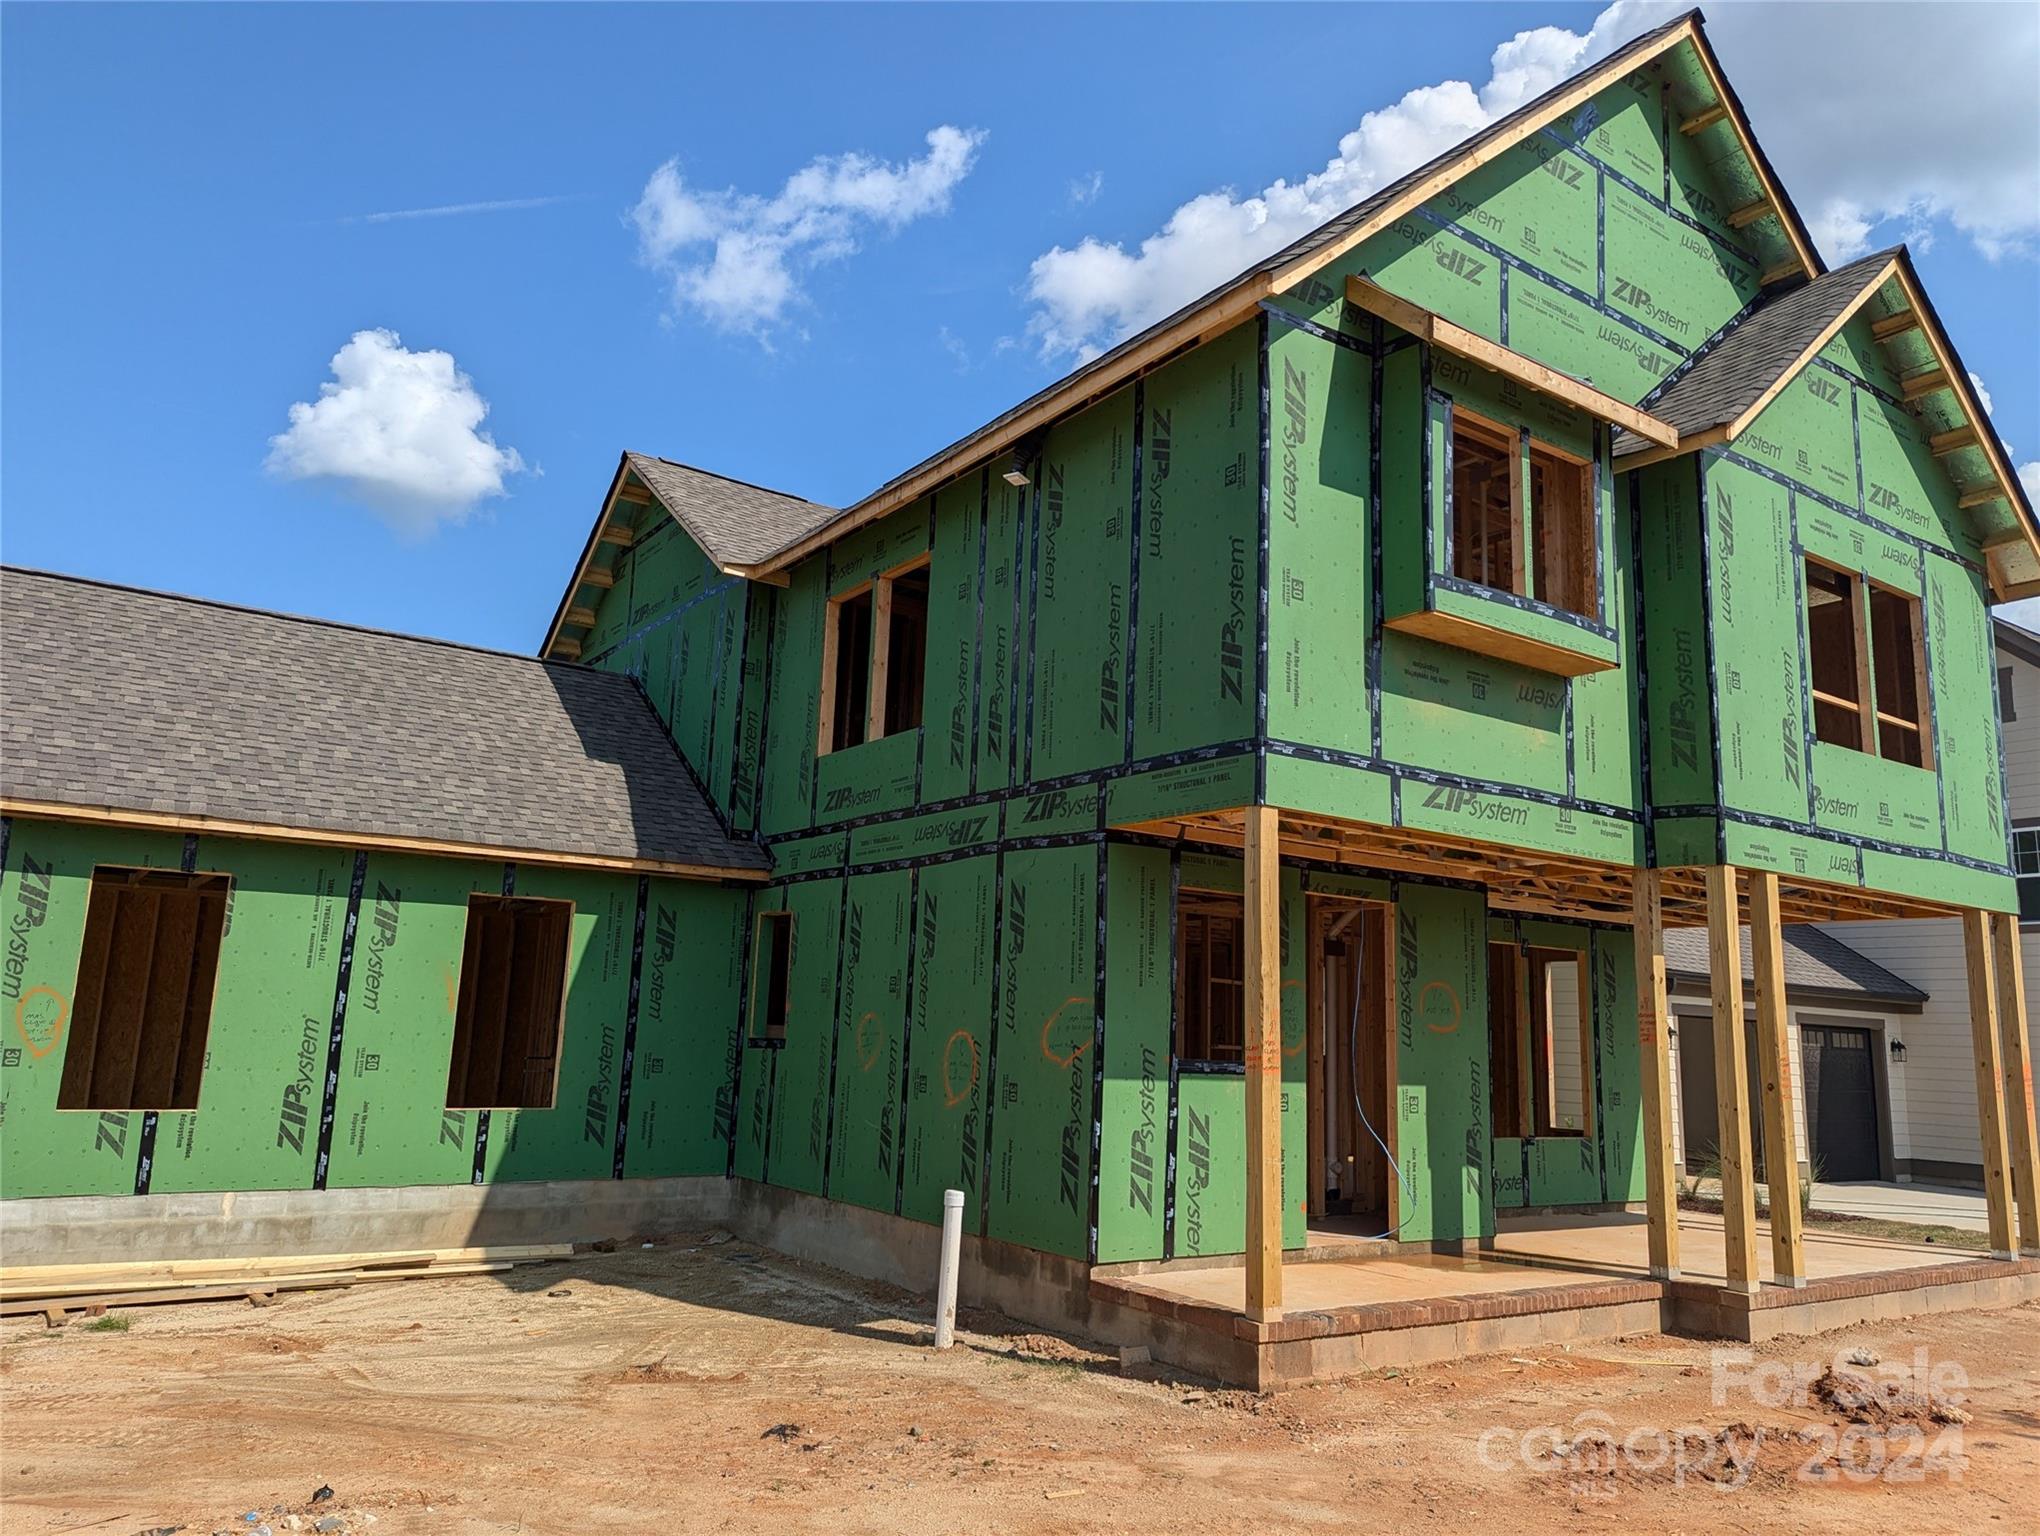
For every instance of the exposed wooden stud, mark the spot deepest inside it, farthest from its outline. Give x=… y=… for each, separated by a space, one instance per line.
x=1472 y=635
x=881 y=658
x=1731 y=1078
x=1780 y=272
x=1264 y=1063
x=565 y=648
x=2023 y=1141
x=633 y=492
x=1654 y=1036
x=1918 y=385
x=1704 y=120
x=598 y=576
x=1970 y=500
x=618 y=533
x=579 y=618
x=1749 y=213
x=1954 y=440
x=825 y=712
x=1990 y=1103
x=1896 y=324
x=1774 y=1065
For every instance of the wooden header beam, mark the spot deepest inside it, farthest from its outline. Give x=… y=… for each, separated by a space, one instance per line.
x=1439 y=332
x=219 y=826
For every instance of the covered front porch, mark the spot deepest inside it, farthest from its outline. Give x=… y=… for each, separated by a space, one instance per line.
x=1542 y=1281
x=1733 y=1275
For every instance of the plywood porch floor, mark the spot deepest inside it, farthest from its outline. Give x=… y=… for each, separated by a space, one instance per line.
x=1528 y=1255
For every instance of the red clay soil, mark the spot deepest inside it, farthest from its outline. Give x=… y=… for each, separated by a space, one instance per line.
x=710 y=1386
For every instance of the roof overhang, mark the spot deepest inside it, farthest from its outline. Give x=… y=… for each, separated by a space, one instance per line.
x=1434 y=329
x=2012 y=558
x=216 y=826
x=1239 y=300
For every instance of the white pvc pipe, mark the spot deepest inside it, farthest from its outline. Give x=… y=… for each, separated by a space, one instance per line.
x=945 y=1279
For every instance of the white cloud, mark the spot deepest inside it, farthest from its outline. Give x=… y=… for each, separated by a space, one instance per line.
x=399 y=431
x=1818 y=79
x=737 y=258
x=1982 y=394
x=1085 y=189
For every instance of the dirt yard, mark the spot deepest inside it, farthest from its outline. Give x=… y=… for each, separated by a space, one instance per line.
x=710 y=1386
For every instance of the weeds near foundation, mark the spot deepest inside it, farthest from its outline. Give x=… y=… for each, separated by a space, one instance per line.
x=113 y=1323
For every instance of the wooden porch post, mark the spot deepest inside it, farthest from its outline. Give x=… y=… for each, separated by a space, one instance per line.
x=1731 y=1078
x=1990 y=1103
x=1264 y=1065
x=1774 y=1052
x=1654 y=1036
x=2018 y=1076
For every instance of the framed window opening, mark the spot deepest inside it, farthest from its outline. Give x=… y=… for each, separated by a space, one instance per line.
x=875 y=658
x=1523 y=516
x=1540 y=1045
x=148 y=969
x=1211 y=978
x=771 y=978
x=510 y=1013
x=1867 y=665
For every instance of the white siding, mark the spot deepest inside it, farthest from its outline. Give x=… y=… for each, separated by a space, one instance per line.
x=1934 y=1088
x=2022 y=740
x=1569 y=1091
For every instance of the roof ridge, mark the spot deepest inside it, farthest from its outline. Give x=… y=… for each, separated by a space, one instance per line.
x=289 y=618
x=750 y=485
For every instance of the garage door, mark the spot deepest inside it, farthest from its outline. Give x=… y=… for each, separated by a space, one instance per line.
x=1841 y=1100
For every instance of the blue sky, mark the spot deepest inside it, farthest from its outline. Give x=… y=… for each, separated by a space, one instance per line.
x=187 y=199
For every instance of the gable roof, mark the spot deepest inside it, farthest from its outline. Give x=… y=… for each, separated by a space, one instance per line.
x=1726 y=386
x=145 y=708
x=1724 y=389
x=2020 y=642
x=734 y=522
x=1817 y=966
x=1233 y=301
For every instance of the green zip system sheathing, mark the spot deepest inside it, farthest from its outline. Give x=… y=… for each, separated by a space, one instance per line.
x=687 y=634
x=1834 y=468
x=332 y=1025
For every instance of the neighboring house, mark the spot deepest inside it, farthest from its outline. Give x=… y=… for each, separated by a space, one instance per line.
x=1851 y=1020
x=1933 y=1090
x=1279 y=740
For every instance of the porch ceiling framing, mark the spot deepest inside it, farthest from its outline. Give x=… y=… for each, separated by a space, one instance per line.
x=1520 y=879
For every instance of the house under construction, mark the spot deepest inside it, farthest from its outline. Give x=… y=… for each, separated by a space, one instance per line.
x=1222 y=815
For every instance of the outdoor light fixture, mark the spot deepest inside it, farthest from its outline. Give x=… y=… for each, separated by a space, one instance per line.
x=1020 y=472
x=1017 y=475
x=1898 y=1050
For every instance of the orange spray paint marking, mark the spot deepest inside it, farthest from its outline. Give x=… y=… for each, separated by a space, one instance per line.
x=1049 y=1023
x=39 y=1019
x=1440 y=1019
x=868 y=1051
x=951 y=1094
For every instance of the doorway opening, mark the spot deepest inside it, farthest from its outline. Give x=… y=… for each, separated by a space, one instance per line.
x=1349 y=1134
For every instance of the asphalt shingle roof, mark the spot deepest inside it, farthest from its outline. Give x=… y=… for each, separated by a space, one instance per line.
x=736 y=523
x=113 y=697
x=1728 y=380
x=1815 y=961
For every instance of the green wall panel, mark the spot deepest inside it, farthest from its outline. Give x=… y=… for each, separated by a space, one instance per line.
x=1080 y=581
x=45 y=1150
x=871 y=1034
x=1139 y=992
x=949 y=1059
x=576 y=1138
x=803 y=1073
x=1319 y=612
x=1441 y=1066
x=688 y=1030
x=257 y=1122
x=1047 y=1008
x=1199 y=561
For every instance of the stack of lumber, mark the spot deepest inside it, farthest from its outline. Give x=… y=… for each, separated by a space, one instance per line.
x=56 y=1289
